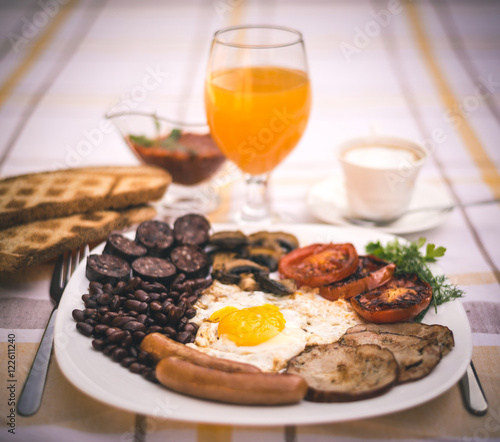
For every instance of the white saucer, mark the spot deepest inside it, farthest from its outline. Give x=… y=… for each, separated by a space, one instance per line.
x=327 y=201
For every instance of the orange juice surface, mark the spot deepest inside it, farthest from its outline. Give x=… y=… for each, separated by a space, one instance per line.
x=257 y=114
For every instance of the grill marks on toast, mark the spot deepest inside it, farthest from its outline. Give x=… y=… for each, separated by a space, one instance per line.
x=36 y=242
x=32 y=197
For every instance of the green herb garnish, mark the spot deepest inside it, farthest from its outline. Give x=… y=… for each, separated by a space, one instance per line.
x=141 y=140
x=409 y=259
x=169 y=143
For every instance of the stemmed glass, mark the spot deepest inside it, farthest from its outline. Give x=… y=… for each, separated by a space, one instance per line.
x=257 y=101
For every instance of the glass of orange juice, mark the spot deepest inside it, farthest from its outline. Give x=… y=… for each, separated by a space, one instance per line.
x=257 y=101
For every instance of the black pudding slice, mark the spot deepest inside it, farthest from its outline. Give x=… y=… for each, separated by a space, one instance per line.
x=191 y=229
x=124 y=247
x=190 y=260
x=153 y=269
x=156 y=236
x=107 y=269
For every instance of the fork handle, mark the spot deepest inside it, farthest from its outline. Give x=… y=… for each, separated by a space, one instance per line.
x=31 y=396
x=472 y=392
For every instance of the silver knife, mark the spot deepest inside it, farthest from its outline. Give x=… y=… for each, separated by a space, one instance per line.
x=472 y=392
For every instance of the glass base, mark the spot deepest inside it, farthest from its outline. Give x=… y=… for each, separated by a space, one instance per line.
x=179 y=200
x=256 y=209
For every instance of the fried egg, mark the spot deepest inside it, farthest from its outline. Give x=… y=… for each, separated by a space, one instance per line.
x=264 y=329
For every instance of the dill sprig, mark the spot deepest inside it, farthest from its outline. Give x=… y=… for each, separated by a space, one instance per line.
x=410 y=259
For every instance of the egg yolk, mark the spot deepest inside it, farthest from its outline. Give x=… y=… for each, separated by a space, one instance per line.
x=219 y=314
x=250 y=326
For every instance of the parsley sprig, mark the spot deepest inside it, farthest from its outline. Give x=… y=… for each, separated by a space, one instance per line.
x=410 y=259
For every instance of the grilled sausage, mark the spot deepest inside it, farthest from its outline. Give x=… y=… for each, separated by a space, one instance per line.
x=160 y=346
x=236 y=388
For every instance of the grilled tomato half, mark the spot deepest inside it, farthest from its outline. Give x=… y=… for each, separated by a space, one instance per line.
x=400 y=299
x=319 y=264
x=372 y=272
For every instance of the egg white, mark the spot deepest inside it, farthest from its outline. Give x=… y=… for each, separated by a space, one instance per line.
x=310 y=319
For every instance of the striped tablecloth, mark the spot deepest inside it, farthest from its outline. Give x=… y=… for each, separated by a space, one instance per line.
x=427 y=71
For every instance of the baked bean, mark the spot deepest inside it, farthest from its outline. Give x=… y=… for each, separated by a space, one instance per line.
x=100 y=329
x=109 y=349
x=78 y=315
x=135 y=367
x=170 y=332
x=155 y=306
x=98 y=344
x=185 y=337
x=91 y=303
x=127 y=341
x=138 y=336
x=154 y=329
x=160 y=318
x=145 y=358
x=190 y=327
x=141 y=295
x=120 y=287
x=120 y=321
x=95 y=285
x=84 y=328
x=174 y=315
x=153 y=296
x=115 y=303
x=125 y=362
x=104 y=299
x=118 y=354
x=112 y=330
x=134 y=326
x=116 y=337
x=182 y=323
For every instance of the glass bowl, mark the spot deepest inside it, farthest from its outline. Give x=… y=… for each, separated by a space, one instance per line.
x=185 y=150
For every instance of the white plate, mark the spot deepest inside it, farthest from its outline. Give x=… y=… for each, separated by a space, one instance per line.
x=108 y=382
x=327 y=201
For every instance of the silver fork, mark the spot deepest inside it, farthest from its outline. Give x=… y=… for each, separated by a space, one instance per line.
x=31 y=396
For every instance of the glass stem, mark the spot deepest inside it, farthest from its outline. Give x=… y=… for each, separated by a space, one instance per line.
x=257 y=205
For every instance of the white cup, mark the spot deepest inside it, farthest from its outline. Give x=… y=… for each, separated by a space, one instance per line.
x=379 y=175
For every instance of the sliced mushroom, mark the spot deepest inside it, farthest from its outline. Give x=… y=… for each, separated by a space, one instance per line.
x=269 y=285
x=264 y=256
x=228 y=239
x=287 y=241
x=248 y=282
x=225 y=278
x=221 y=258
x=282 y=241
x=239 y=266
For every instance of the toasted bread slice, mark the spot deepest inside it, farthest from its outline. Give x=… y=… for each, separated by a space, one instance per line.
x=341 y=373
x=46 y=195
x=34 y=243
